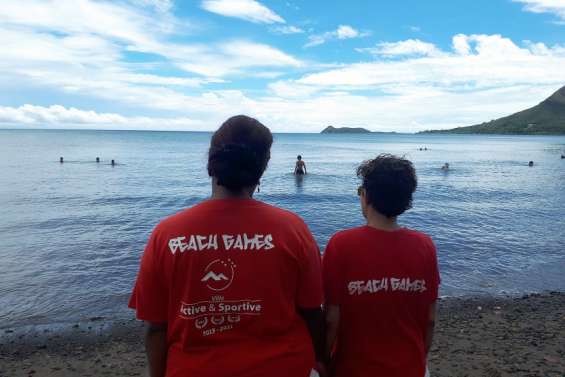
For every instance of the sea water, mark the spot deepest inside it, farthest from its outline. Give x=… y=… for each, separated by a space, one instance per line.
x=71 y=234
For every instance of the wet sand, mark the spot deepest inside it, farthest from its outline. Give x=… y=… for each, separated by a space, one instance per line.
x=483 y=337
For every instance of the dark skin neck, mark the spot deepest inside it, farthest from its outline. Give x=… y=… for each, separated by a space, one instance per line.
x=379 y=221
x=220 y=192
x=374 y=218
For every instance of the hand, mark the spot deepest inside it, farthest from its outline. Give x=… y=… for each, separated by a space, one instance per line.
x=321 y=369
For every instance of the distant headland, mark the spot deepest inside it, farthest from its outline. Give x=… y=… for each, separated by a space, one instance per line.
x=546 y=118
x=351 y=130
x=345 y=130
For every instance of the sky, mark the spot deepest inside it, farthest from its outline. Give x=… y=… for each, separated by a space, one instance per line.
x=297 y=65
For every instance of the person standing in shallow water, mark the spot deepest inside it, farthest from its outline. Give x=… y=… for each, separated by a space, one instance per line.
x=300 y=167
x=232 y=286
x=381 y=281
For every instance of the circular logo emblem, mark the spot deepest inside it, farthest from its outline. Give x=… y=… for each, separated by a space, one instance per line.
x=219 y=274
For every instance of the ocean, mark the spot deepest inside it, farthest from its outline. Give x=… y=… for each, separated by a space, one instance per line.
x=71 y=234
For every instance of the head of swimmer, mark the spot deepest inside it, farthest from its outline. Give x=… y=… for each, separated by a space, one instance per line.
x=388 y=183
x=299 y=157
x=239 y=153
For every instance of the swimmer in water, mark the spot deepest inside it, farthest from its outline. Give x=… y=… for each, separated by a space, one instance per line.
x=300 y=167
x=531 y=163
x=445 y=167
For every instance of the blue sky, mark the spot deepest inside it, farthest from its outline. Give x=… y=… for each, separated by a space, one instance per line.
x=297 y=65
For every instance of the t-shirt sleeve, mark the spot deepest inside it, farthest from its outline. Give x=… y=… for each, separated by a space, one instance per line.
x=435 y=279
x=310 y=293
x=332 y=288
x=150 y=294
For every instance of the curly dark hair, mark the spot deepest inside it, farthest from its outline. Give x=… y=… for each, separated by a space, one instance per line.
x=389 y=182
x=239 y=152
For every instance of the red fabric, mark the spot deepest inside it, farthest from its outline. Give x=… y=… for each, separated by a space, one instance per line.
x=230 y=288
x=383 y=316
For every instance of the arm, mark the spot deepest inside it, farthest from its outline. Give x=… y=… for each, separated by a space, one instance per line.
x=156 y=348
x=310 y=294
x=435 y=282
x=431 y=326
x=332 y=326
x=304 y=165
x=150 y=301
x=314 y=319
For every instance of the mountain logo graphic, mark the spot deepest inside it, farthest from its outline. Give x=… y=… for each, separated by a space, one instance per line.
x=218 y=274
x=216 y=277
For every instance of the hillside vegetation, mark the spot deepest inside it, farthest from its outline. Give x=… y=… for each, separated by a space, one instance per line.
x=546 y=118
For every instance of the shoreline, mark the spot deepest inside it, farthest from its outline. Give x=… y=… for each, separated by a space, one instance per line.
x=475 y=336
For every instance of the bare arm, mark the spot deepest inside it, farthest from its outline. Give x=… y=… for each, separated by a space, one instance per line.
x=332 y=326
x=304 y=165
x=156 y=348
x=314 y=319
x=431 y=326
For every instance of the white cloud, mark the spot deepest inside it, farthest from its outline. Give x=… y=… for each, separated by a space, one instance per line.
x=149 y=79
x=44 y=28
x=57 y=116
x=118 y=22
x=477 y=61
x=346 y=32
x=407 y=111
x=79 y=47
x=556 y=7
x=230 y=58
x=481 y=78
x=287 y=29
x=159 y=5
x=403 y=48
x=287 y=89
x=342 y=32
x=460 y=44
x=249 y=10
x=80 y=59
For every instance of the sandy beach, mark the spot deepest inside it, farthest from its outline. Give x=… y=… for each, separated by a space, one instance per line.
x=483 y=336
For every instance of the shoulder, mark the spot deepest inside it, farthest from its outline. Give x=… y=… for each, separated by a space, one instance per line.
x=419 y=236
x=346 y=235
x=339 y=247
x=281 y=215
x=171 y=222
x=423 y=243
x=351 y=232
x=287 y=224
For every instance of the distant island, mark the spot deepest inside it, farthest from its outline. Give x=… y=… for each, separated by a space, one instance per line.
x=546 y=118
x=345 y=130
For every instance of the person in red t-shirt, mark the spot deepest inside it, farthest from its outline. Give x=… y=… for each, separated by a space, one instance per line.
x=232 y=286
x=381 y=281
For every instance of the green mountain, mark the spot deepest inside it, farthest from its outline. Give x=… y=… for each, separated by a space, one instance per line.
x=345 y=130
x=546 y=118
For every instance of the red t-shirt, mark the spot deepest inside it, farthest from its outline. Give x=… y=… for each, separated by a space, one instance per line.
x=227 y=276
x=383 y=283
